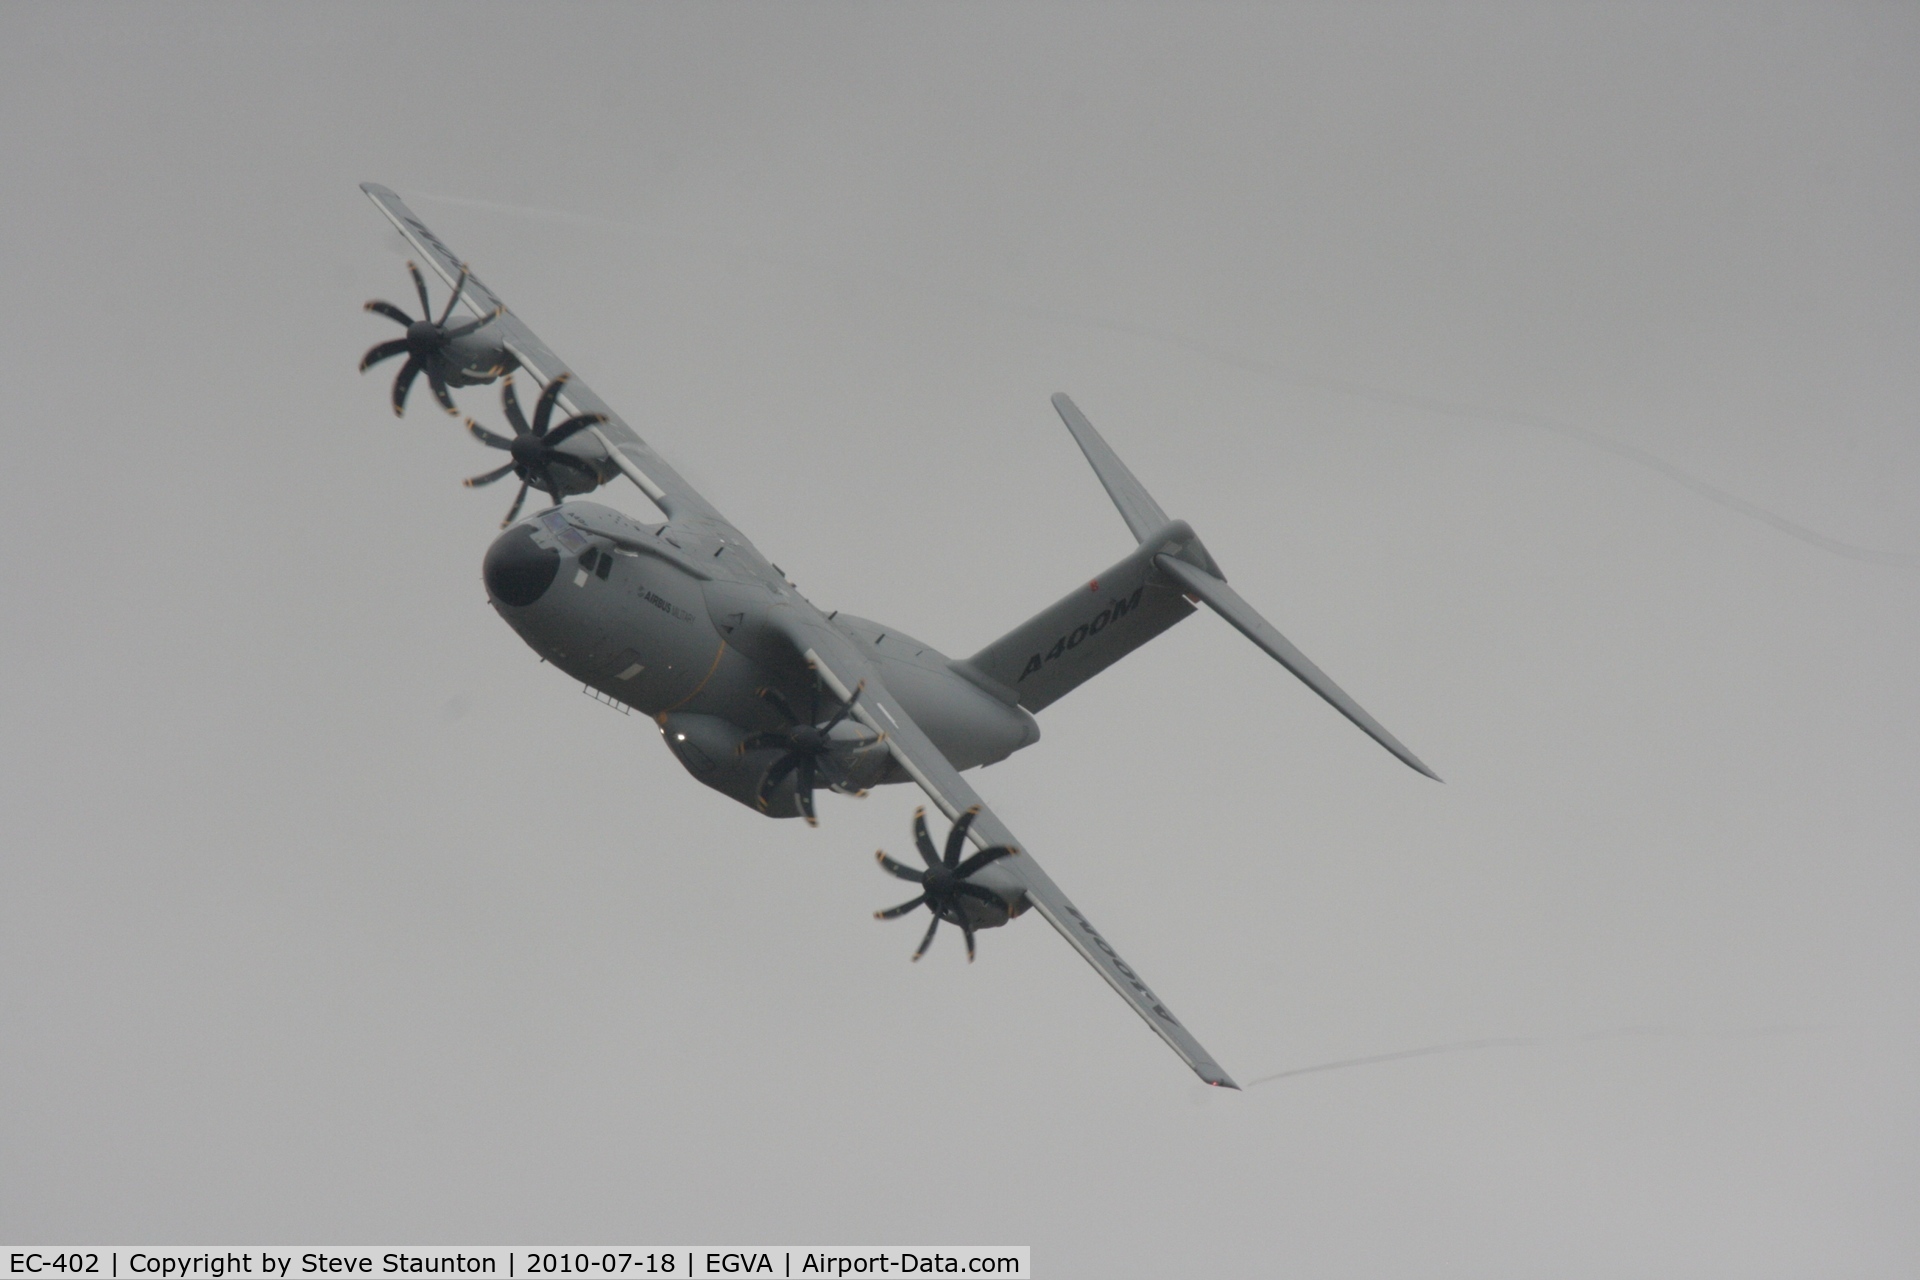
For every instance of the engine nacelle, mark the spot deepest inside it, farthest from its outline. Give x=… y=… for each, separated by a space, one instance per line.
x=475 y=359
x=709 y=748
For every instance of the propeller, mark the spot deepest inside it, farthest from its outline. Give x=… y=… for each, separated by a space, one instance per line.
x=535 y=449
x=806 y=743
x=945 y=881
x=424 y=344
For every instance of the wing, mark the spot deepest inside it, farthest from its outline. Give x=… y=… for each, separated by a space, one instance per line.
x=841 y=666
x=623 y=448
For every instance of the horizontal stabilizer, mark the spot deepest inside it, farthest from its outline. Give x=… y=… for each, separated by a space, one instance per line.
x=1226 y=602
x=1190 y=567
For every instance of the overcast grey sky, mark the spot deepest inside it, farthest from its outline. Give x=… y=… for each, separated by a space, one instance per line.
x=1547 y=373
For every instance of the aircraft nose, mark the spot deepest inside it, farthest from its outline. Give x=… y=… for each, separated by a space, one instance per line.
x=517 y=570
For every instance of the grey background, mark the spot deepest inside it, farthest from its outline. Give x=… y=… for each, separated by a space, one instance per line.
x=327 y=913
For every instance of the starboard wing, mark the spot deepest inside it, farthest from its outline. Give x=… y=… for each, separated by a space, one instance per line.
x=618 y=444
x=841 y=667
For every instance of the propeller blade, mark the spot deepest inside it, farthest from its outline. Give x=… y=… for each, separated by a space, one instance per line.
x=461 y=331
x=390 y=311
x=778 y=703
x=775 y=776
x=382 y=351
x=828 y=727
x=510 y=403
x=487 y=437
x=966 y=928
x=928 y=940
x=440 y=392
x=514 y=510
x=573 y=426
x=894 y=913
x=419 y=283
x=543 y=408
x=476 y=482
x=551 y=485
x=458 y=286
x=803 y=790
x=900 y=869
x=403 y=383
x=923 y=840
x=984 y=858
x=957 y=838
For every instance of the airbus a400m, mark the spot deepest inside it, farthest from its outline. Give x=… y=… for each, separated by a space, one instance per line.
x=758 y=693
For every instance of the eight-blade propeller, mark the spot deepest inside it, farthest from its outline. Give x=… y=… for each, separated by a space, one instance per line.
x=945 y=881
x=425 y=344
x=806 y=742
x=535 y=449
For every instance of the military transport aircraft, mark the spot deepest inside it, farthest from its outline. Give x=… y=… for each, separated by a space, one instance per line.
x=757 y=692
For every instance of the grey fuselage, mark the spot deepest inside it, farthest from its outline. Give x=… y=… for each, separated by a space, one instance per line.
x=673 y=620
